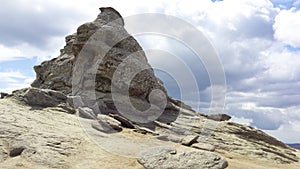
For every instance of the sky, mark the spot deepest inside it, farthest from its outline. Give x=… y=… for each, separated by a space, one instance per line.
x=257 y=41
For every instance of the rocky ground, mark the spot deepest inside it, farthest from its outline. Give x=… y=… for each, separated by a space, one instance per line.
x=33 y=137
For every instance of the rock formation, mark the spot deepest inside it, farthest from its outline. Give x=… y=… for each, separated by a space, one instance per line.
x=89 y=61
x=38 y=128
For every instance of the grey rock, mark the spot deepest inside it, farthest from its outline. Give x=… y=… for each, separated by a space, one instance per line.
x=75 y=101
x=170 y=157
x=104 y=127
x=108 y=123
x=204 y=146
x=16 y=151
x=124 y=122
x=219 y=117
x=43 y=97
x=189 y=140
x=86 y=112
x=3 y=95
x=55 y=74
x=169 y=137
x=93 y=57
x=163 y=125
x=144 y=130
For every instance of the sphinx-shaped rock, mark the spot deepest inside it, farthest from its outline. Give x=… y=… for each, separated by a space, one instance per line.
x=100 y=60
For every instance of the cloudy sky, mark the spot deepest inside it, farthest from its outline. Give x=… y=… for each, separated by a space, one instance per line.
x=258 y=43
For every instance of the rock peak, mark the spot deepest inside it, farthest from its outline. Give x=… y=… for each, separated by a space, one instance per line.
x=109 y=14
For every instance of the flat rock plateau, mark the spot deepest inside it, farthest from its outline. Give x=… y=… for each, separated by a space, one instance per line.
x=69 y=118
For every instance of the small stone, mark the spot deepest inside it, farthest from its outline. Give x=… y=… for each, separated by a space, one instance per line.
x=111 y=122
x=189 y=140
x=16 y=151
x=144 y=130
x=104 y=127
x=124 y=122
x=219 y=117
x=204 y=146
x=86 y=112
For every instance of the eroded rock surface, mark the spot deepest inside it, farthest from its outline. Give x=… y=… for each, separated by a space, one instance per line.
x=179 y=158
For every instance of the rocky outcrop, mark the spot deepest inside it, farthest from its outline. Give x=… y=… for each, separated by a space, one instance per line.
x=43 y=97
x=3 y=95
x=170 y=157
x=100 y=57
x=56 y=74
x=228 y=137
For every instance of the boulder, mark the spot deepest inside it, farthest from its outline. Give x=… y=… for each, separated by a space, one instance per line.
x=204 y=146
x=218 y=117
x=170 y=157
x=104 y=127
x=107 y=124
x=43 y=97
x=124 y=122
x=3 y=95
x=189 y=140
x=86 y=112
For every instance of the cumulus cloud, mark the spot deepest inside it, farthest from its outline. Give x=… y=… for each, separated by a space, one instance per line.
x=33 y=27
x=13 y=80
x=287 y=25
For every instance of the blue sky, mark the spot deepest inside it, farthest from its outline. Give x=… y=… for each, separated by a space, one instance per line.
x=257 y=41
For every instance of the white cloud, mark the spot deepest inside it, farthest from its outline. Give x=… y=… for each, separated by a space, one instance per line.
x=9 y=53
x=287 y=132
x=13 y=80
x=287 y=26
x=11 y=76
x=26 y=51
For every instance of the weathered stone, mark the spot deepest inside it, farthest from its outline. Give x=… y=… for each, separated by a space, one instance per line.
x=86 y=112
x=204 y=146
x=144 y=130
x=104 y=127
x=43 y=97
x=16 y=151
x=75 y=101
x=219 y=117
x=159 y=124
x=189 y=140
x=124 y=122
x=105 y=121
x=169 y=157
x=55 y=74
x=102 y=56
x=3 y=95
x=169 y=137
